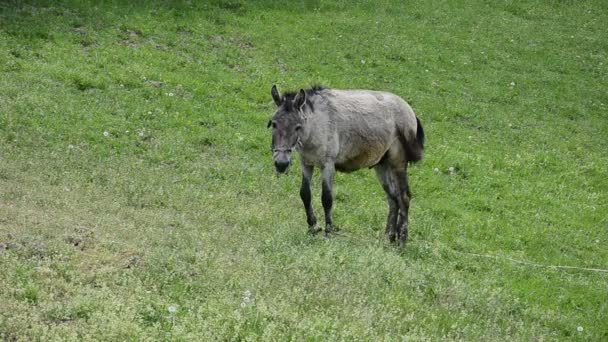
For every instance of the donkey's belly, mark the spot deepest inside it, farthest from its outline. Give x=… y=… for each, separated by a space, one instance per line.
x=359 y=161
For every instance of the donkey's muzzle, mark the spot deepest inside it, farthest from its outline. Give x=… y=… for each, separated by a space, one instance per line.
x=281 y=166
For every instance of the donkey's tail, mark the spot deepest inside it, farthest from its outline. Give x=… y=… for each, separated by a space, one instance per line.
x=414 y=149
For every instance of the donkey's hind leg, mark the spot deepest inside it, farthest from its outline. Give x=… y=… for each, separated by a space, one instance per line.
x=386 y=178
x=403 y=200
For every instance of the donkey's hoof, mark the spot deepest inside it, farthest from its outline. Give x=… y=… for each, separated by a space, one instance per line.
x=313 y=230
x=402 y=242
x=391 y=237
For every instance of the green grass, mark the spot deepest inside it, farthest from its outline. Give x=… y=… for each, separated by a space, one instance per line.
x=135 y=174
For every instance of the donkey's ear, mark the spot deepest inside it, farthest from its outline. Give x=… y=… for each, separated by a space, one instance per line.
x=275 y=95
x=300 y=99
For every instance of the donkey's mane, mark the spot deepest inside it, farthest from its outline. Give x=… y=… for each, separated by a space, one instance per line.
x=289 y=96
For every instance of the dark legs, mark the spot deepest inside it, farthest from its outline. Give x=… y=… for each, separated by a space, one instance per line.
x=306 y=196
x=327 y=174
x=388 y=184
x=394 y=183
x=391 y=221
x=404 y=206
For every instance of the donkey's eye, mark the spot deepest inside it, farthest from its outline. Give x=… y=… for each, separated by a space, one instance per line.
x=298 y=127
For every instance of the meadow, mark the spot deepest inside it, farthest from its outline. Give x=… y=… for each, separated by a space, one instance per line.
x=138 y=199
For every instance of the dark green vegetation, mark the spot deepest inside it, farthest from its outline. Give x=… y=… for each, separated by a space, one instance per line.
x=138 y=199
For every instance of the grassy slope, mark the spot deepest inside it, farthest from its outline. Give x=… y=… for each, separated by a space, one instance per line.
x=178 y=204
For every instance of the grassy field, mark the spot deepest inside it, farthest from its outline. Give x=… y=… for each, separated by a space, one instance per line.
x=138 y=200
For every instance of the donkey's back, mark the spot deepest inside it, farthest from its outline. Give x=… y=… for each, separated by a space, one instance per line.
x=362 y=125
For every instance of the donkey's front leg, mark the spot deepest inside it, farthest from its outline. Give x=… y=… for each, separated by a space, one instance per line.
x=327 y=174
x=306 y=196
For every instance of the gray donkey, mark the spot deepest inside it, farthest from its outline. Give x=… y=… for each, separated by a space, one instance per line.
x=345 y=130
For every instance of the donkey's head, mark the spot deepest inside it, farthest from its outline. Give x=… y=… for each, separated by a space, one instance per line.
x=286 y=125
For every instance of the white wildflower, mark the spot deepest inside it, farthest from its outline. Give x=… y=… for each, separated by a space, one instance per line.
x=579 y=329
x=106 y=134
x=436 y=170
x=363 y=61
x=246 y=297
x=172 y=308
x=451 y=169
x=170 y=94
x=512 y=84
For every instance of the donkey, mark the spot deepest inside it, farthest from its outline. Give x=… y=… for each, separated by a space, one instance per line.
x=346 y=130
